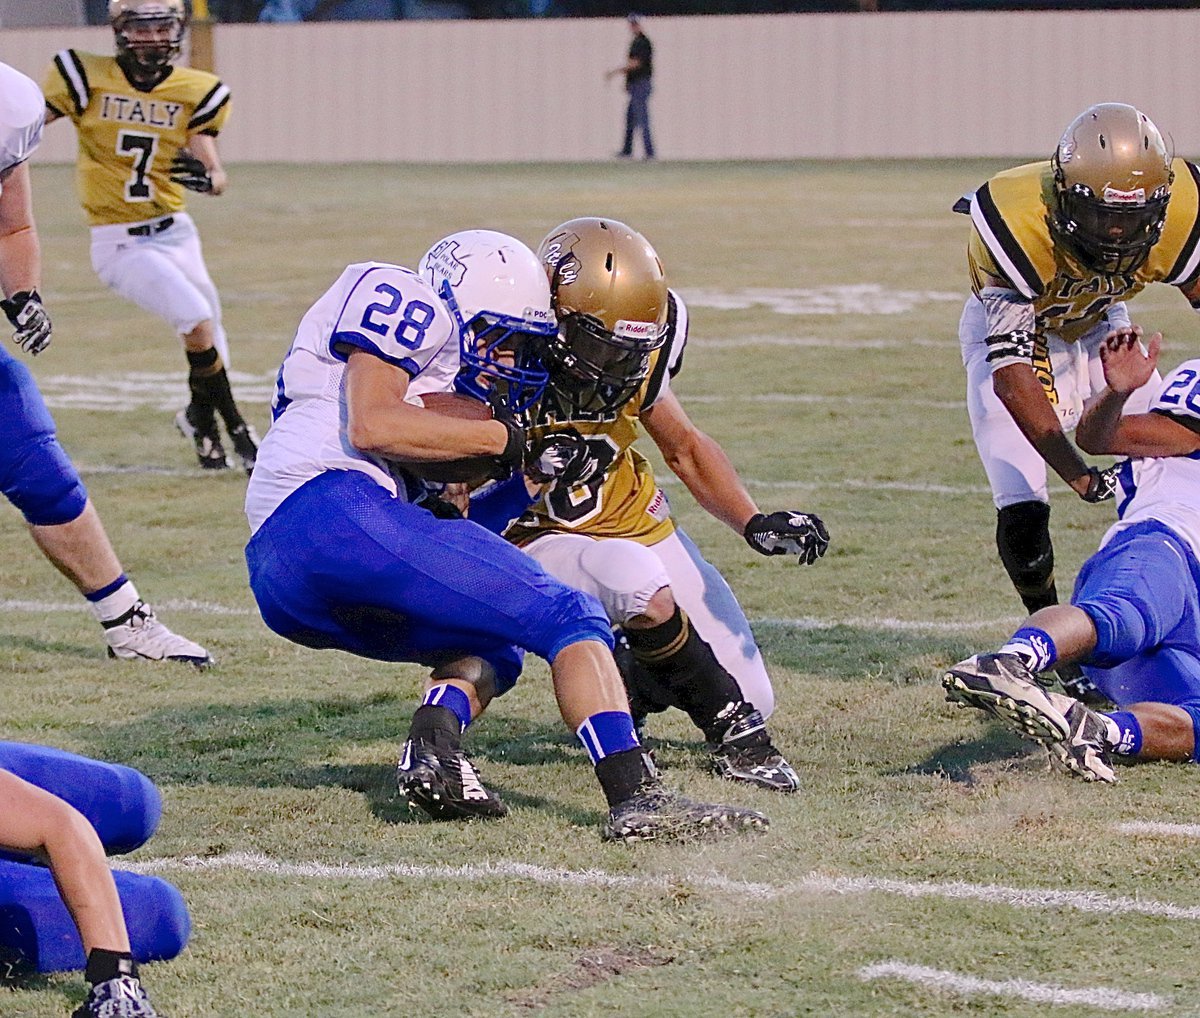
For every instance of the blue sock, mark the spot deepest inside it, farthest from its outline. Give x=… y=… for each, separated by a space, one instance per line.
x=606 y=733
x=453 y=699
x=1130 y=741
x=1034 y=646
x=103 y=592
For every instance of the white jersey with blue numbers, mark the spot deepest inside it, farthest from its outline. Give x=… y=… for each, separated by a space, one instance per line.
x=383 y=309
x=1167 y=489
x=22 y=114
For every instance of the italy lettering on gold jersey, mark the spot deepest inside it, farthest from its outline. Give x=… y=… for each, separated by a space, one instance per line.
x=129 y=136
x=1012 y=239
x=625 y=501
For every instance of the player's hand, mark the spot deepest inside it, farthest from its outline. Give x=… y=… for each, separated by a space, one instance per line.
x=563 y=457
x=189 y=171
x=788 y=533
x=24 y=309
x=513 y=457
x=1126 y=367
x=1102 y=484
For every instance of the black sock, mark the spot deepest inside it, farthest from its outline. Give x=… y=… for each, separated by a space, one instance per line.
x=437 y=726
x=675 y=656
x=209 y=385
x=622 y=774
x=103 y=965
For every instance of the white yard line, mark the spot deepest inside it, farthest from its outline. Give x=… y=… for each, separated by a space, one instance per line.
x=815 y=883
x=1101 y=997
x=1156 y=827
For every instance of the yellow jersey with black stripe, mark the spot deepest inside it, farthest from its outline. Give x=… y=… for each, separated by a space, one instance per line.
x=1011 y=238
x=624 y=500
x=129 y=136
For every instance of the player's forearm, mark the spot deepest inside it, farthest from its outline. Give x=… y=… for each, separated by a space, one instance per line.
x=409 y=433
x=1022 y=395
x=204 y=148
x=709 y=475
x=1097 y=429
x=20 y=261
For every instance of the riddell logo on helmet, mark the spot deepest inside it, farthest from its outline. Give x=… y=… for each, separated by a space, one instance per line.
x=636 y=330
x=1115 y=196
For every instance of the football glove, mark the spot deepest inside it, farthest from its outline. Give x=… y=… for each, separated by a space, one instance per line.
x=1102 y=484
x=788 y=533
x=563 y=457
x=24 y=309
x=189 y=171
x=513 y=456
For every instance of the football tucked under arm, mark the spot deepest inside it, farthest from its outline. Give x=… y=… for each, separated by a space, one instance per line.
x=471 y=470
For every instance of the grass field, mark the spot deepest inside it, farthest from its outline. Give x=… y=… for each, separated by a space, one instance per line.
x=825 y=299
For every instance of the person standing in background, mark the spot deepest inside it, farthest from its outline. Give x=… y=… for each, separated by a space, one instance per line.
x=639 y=72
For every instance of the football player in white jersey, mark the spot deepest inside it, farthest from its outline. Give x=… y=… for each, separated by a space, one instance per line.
x=1133 y=623
x=620 y=342
x=36 y=474
x=343 y=554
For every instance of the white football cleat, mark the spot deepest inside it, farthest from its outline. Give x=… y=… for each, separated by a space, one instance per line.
x=139 y=635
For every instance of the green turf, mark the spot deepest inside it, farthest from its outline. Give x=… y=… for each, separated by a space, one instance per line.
x=289 y=753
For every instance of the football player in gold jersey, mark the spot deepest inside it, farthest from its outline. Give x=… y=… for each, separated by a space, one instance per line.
x=147 y=130
x=621 y=339
x=1056 y=249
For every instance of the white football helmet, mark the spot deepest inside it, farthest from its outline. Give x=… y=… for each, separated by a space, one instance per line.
x=498 y=293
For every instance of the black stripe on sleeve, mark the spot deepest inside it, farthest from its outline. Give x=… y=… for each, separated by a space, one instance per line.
x=1008 y=243
x=1189 y=247
x=199 y=120
x=80 y=101
x=659 y=372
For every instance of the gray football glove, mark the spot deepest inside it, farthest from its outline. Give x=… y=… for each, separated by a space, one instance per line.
x=24 y=309
x=563 y=457
x=788 y=533
x=1102 y=484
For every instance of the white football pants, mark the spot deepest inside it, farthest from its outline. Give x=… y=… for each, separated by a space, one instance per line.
x=624 y=575
x=163 y=273
x=1014 y=469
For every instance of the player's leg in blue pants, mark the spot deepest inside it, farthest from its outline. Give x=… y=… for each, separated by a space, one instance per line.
x=124 y=806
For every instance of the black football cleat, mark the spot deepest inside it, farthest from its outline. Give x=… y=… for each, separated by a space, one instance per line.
x=245 y=446
x=444 y=784
x=1004 y=687
x=656 y=813
x=745 y=753
x=205 y=440
x=122 y=997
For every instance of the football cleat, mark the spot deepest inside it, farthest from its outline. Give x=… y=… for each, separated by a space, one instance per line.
x=1003 y=685
x=1084 y=752
x=122 y=997
x=209 y=450
x=745 y=752
x=655 y=813
x=444 y=784
x=139 y=635
x=245 y=446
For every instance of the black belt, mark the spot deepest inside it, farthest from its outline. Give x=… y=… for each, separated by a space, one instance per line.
x=152 y=228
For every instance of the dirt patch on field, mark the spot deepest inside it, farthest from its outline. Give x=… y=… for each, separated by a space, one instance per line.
x=595 y=966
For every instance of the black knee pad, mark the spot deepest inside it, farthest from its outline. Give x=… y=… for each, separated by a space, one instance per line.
x=1023 y=540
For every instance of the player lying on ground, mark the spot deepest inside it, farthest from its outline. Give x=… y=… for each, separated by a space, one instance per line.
x=68 y=811
x=344 y=556
x=1134 y=619
x=36 y=475
x=620 y=341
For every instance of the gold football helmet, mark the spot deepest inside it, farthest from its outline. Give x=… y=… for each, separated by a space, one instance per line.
x=610 y=296
x=149 y=33
x=1112 y=182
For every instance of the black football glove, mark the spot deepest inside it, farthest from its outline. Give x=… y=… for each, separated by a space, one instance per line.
x=1102 y=484
x=512 y=459
x=24 y=309
x=189 y=171
x=788 y=533
x=563 y=457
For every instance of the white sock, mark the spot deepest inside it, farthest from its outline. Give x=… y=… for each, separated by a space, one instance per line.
x=113 y=606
